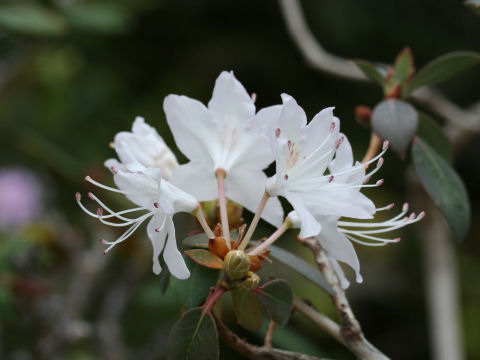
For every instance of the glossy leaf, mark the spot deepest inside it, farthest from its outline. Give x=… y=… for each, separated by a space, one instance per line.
x=193 y=337
x=247 y=309
x=31 y=20
x=443 y=185
x=444 y=67
x=277 y=298
x=403 y=66
x=371 y=71
x=396 y=121
x=301 y=266
x=432 y=133
x=194 y=290
x=205 y=258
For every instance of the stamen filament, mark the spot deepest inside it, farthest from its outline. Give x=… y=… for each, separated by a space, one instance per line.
x=279 y=232
x=96 y=183
x=203 y=222
x=220 y=174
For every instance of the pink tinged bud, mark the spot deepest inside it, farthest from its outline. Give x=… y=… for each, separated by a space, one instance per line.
x=332 y=127
x=277 y=132
x=386 y=144
x=156 y=204
x=78 y=196
x=379 y=182
x=91 y=196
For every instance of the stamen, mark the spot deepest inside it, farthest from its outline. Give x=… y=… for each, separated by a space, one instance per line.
x=96 y=183
x=386 y=144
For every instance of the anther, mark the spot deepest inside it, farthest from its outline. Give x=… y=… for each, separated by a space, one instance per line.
x=277 y=132
x=91 y=196
x=379 y=182
x=254 y=97
x=405 y=207
x=105 y=252
x=397 y=240
x=386 y=144
x=78 y=196
x=100 y=211
x=391 y=206
x=111 y=145
x=412 y=216
x=156 y=204
x=421 y=215
x=87 y=178
x=103 y=241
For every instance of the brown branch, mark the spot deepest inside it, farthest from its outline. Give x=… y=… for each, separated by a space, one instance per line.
x=269 y=335
x=255 y=352
x=350 y=329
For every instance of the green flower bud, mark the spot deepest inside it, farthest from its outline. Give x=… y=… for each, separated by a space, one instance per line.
x=236 y=264
x=251 y=282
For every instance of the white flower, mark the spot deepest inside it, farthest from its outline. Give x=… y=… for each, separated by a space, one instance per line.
x=304 y=153
x=157 y=200
x=337 y=236
x=143 y=148
x=224 y=136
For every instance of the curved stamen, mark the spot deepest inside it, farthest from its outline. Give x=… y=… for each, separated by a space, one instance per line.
x=96 y=183
x=99 y=202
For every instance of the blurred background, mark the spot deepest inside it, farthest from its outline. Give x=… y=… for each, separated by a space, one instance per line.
x=73 y=73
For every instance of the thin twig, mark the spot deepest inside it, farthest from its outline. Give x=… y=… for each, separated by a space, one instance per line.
x=269 y=335
x=350 y=328
x=257 y=352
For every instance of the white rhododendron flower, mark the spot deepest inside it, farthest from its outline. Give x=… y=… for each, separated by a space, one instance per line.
x=304 y=153
x=143 y=148
x=157 y=200
x=226 y=137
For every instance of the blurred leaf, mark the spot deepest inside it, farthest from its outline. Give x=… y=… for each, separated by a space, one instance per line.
x=371 y=71
x=193 y=337
x=444 y=186
x=474 y=5
x=300 y=266
x=98 y=17
x=403 y=66
x=396 y=121
x=164 y=279
x=247 y=309
x=31 y=20
x=194 y=290
x=277 y=298
x=196 y=241
x=432 y=133
x=443 y=67
x=205 y=258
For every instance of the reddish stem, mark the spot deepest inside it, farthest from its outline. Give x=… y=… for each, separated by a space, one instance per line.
x=213 y=298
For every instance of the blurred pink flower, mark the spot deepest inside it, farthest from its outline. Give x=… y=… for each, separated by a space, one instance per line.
x=20 y=197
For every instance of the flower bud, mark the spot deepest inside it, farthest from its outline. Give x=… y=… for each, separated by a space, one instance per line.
x=236 y=264
x=251 y=282
x=218 y=246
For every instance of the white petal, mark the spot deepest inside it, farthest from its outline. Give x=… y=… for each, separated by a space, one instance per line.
x=343 y=156
x=157 y=238
x=309 y=225
x=173 y=258
x=344 y=283
x=230 y=101
x=338 y=246
x=178 y=200
x=140 y=188
x=125 y=153
x=197 y=179
x=292 y=119
x=319 y=128
x=193 y=128
x=114 y=164
x=246 y=187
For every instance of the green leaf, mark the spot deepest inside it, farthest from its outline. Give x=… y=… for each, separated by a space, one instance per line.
x=371 y=71
x=205 y=258
x=194 y=290
x=31 y=20
x=396 y=121
x=432 y=133
x=444 y=186
x=164 y=278
x=300 y=266
x=193 y=337
x=443 y=67
x=98 y=17
x=247 y=309
x=403 y=66
x=277 y=298
x=201 y=240
x=474 y=5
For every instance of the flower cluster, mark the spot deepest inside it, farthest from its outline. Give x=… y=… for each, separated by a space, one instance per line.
x=229 y=145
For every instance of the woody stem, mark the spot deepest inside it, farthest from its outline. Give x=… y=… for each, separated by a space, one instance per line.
x=220 y=174
x=213 y=298
x=255 y=221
